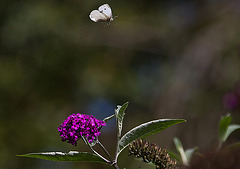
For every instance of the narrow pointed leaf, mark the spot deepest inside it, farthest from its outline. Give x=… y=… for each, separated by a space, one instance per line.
x=120 y=112
x=73 y=156
x=178 y=143
x=144 y=130
x=231 y=128
x=181 y=151
x=223 y=126
x=189 y=152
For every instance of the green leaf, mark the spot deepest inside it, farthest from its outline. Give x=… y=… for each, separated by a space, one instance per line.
x=120 y=112
x=177 y=143
x=144 y=130
x=223 y=127
x=181 y=151
x=185 y=155
x=189 y=152
x=73 y=156
x=109 y=118
x=231 y=128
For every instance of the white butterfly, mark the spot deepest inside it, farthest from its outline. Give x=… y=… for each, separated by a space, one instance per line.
x=103 y=14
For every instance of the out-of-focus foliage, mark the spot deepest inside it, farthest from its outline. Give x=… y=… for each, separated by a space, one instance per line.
x=217 y=155
x=169 y=59
x=225 y=129
x=185 y=155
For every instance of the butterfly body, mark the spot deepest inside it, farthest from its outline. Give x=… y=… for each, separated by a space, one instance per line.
x=103 y=14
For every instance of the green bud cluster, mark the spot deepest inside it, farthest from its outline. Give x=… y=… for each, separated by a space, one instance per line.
x=150 y=152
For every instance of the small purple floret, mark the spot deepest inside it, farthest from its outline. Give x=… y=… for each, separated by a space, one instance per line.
x=230 y=101
x=78 y=125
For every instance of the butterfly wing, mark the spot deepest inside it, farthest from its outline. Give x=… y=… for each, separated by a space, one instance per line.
x=97 y=16
x=106 y=10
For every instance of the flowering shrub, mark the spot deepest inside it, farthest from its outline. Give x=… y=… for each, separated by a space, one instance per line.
x=87 y=127
x=79 y=125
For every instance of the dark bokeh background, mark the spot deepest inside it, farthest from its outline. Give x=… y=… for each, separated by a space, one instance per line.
x=169 y=59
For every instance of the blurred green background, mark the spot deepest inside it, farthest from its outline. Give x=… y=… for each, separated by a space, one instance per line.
x=169 y=59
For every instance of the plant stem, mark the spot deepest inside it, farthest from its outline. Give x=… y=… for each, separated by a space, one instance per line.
x=100 y=155
x=104 y=149
x=114 y=163
x=116 y=154
x=117 y=144
x=219 y=146
x=86 y=141
x=115 y=166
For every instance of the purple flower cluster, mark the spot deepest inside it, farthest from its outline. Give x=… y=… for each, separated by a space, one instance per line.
x=78 y=125
x=231 y=100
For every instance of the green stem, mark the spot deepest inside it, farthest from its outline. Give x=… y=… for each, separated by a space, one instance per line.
x=100 y=155
x=86 y=141
x=113 y=162
x=115 y=165
x=219 y=146
x=117 y=144
x=104 y=150
x=116 y=154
